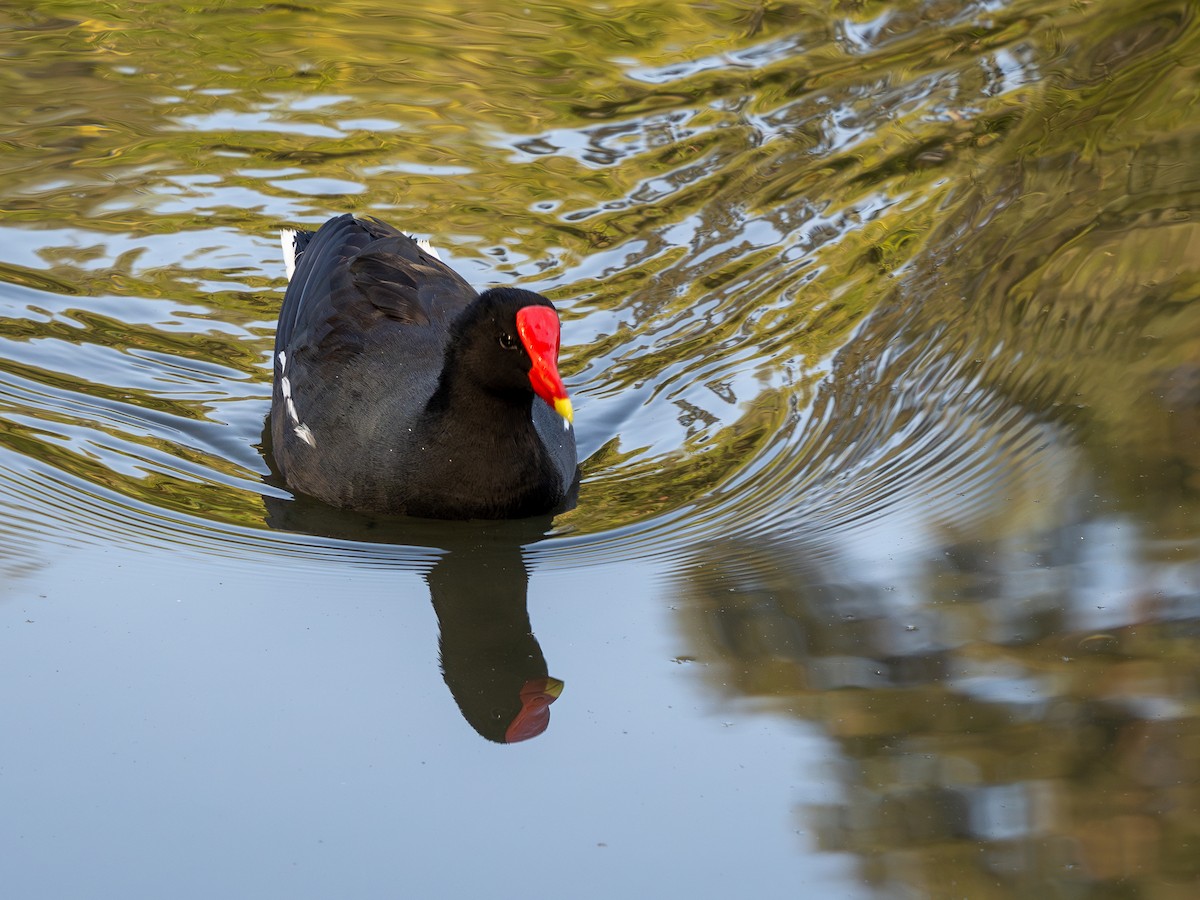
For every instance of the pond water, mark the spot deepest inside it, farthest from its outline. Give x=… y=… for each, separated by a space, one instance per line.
x=880 y=321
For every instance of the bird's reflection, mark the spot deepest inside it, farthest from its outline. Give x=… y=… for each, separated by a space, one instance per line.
x=491 y=661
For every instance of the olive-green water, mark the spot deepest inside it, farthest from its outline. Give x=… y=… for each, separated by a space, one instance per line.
x=882 y=326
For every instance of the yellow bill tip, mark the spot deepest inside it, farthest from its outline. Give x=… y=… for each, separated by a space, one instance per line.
x=563 y=407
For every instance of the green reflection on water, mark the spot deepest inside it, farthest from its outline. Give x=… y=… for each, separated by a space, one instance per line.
x=818 y=267
x=737 y=190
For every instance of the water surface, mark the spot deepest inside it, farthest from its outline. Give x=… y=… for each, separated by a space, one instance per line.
x=885 y=575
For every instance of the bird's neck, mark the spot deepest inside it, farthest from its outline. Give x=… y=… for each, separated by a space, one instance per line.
x=459 y=400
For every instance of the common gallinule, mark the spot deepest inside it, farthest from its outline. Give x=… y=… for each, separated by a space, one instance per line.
x=400 y=389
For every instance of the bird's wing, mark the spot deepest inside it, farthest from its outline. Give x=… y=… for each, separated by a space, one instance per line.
x=356 y=280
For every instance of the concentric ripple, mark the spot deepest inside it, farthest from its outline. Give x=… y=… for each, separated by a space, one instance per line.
x=820 y=273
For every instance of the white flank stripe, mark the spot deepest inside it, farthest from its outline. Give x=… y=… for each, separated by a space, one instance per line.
x=301 y=430
x=305 y=434
x=428 y=248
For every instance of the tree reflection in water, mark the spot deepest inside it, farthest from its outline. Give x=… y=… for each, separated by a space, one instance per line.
x=995 y=727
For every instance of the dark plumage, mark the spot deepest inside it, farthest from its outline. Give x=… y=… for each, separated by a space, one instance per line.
x=400 y=389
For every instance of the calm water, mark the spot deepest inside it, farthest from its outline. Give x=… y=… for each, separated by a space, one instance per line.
x=882 y=329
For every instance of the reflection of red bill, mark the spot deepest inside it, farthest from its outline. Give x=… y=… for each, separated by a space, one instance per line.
x=536 y=697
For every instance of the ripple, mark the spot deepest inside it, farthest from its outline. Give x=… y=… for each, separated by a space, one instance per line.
x=811 y=269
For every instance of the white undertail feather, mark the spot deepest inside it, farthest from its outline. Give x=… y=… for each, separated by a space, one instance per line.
x=287 y=240
x=428 y=248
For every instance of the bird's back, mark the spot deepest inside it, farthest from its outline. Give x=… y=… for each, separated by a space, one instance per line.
x=358 y=351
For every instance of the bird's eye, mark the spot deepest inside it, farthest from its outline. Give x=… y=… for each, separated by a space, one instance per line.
x=507 y=341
